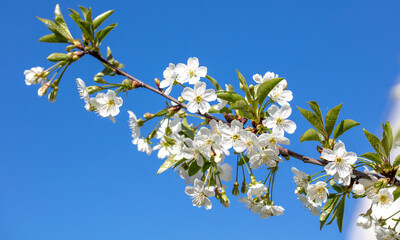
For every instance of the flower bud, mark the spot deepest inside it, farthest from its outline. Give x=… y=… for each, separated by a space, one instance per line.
x=181 y=100
x=319 y=149
x=157 y=81
x=168 y=131
x=148 y=116
x=253 y=180
x=128 y=84
x=358 y=189
x=53 y=95
x=217 y=193
x=381 y=183
x=299 y=190
x=235 y=190
x=243 y=190
x=98 y=79
x=43 y=89
x=224 y=199
x=93 y=89
x=140 y=122
x=182 y=113
x=287 y=158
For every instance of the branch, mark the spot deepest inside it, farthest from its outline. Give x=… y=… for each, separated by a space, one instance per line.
x=283 y=151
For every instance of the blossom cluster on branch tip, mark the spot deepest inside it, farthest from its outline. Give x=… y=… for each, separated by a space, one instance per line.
x=201 y=139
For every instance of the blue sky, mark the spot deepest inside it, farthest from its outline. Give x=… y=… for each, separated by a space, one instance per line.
x=67 y=174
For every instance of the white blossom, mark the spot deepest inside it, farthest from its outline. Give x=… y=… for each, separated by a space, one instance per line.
x=268 y=75
x=225 y=172
x=184 y=174
x=34 y=75
x=232 y=134
x=280 y=95
x=200 y=194
x=269 y=211
x=300 y=178
x=169 y=78
x=83 y=93
x=317 y=192
x=365 y=221
x=257 y=190
x=251 y=204
x=249 y=141
x=133 y=125
x=107 y=104
x=308 y=204
x=191 y=72
x=340 y=162
x=278 y=119
x=173 y=123
x=385 y=234
x=144 y=146
x=271 y=140
x=383 y=198
x=268 y=157
x=199 y=97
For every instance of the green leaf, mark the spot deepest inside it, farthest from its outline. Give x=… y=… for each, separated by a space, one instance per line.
x=53 y=38
x=375 y=142
x=167 y=164
x=214 y=83
x=87 y=29
x=87 y=13
x=225 y=109
x=244 y=86
x=193 y=168
x=101 y=18
x=372 y=156
x=52 y=26
x=187 y=131
x=387 y=139
x=231 y=97
x=327 y=210
x=396 y=193
x=344 y=126
x=330 y=119
x=101 y=34
x=312 y=135
x=265 y=88
x=315 y=107
x=59 y=20
x=313 y=119
x=57 y=57
x=396 y=161
x=244 y=109
x=340 y=213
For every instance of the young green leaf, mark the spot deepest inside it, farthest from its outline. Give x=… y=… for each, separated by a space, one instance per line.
x=244 y=109
x=101 y=34
x=57 y=57
x=87 y=29
x=396 y=193
x=87 y=13
x=101 y=18
x=167 y=164
x=244 y=86
x=344 y=126
x=53 y=38
x=52 y=26
x=375 y=142
x=312 y=135
x=327 y=210
x=340 y=213
x=187 y=131
x=330 y=119
x=372 y=156
x=265 y=88
x=59 y=20
x=313 y=119
x=231 y=97
x=315 y=107
x=387 y=138
x=193 y=168
x=214 y=83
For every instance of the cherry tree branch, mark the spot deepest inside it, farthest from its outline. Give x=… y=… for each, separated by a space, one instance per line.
x=283 y=151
